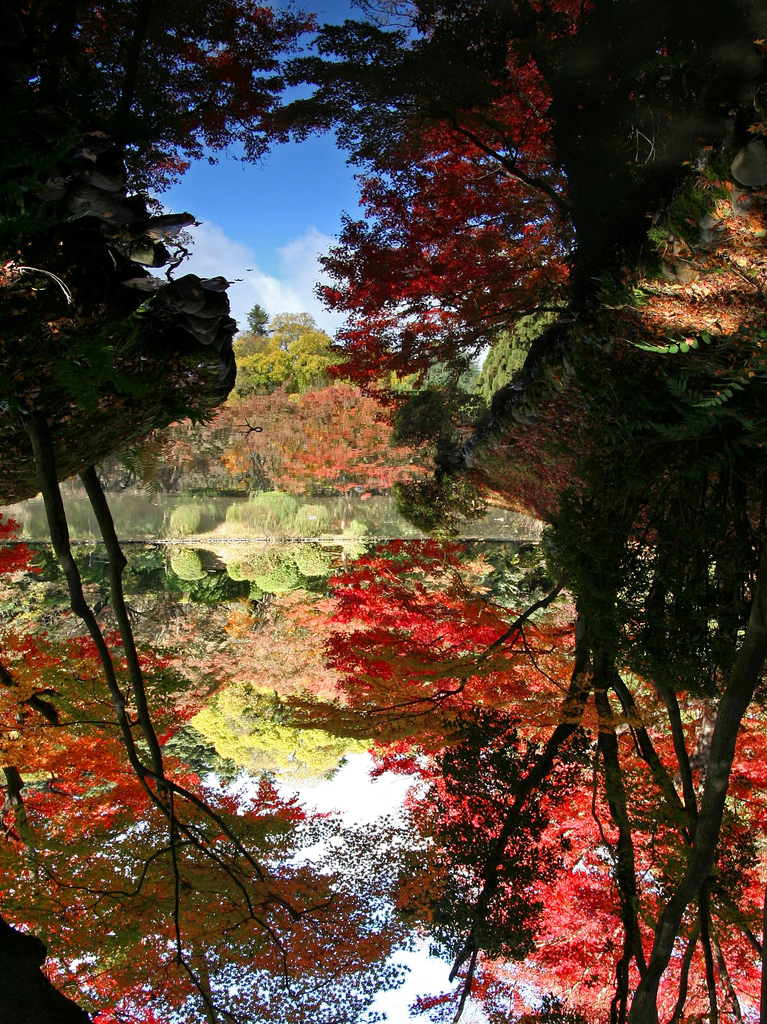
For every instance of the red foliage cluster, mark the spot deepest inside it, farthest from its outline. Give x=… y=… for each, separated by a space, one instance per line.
x=14 y=556
x=460 y=240
x=331 y=438
x=415 y=633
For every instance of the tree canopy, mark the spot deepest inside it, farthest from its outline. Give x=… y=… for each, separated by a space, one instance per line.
x=167 y=82
x=496 y=180
x=289 y=350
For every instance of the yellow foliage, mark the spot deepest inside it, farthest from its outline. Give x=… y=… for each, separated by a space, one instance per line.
x=251 y=726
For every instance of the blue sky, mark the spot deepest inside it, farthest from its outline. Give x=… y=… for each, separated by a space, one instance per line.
x=262 y=226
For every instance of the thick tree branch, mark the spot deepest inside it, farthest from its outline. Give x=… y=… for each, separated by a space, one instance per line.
x=724 y=974
x=617 y=801
x=15 y=801
x=132 y=63
x=47 y=478
x=26 y=995
x=680 y=748
x=117 y=563
x=646 y=747
x=684 y=974
x=708 y=956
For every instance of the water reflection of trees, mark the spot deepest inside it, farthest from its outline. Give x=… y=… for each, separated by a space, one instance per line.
x=549 y=814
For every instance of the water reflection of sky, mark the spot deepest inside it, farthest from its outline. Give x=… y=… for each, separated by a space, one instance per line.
x=358 y=800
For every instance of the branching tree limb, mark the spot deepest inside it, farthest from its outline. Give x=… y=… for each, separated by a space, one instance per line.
x=745 y=675
x=117 y=563
x=240 y=866
x=570 y=717
x=617 y=801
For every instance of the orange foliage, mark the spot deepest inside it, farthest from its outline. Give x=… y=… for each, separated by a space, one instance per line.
x=333 y=438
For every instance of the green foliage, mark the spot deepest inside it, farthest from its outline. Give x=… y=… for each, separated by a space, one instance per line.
x=352 y=544
x=91 y=363
x=292 y=351
x=519 y=575
x=312 y=560
x=434 y=411
x=673 y=347
x=282 y=570
x=255 y=561
x=354 y=529
x=261 y=365
x=258 y=318
x=311 y=521
x=440 y=505
x=689 y=204
x=20 y=215
x=191 y=747
x=216 y=587
x=267 y=512
x=509 y=351
x=280 y=506
x=310 y=355
x=283 y=578
x=185 y=520
x=423 y=417
x=707 y=395
x=187 y=564
x=659 y=528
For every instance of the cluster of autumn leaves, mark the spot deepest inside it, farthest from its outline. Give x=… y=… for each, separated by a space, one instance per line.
x=507 y=857
x=289 y=424
x=584 y=836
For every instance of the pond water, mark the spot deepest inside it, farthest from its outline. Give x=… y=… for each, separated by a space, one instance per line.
x=139 y=517
x=245 y=653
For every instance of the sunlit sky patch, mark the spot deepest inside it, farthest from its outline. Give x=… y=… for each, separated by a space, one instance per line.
x=359 y=800
x=263 y=225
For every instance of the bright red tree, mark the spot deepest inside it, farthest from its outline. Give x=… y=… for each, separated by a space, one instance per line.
x=452 y=251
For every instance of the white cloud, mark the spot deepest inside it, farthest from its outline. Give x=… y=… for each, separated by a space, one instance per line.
x=355 y=795
x=214 y=253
